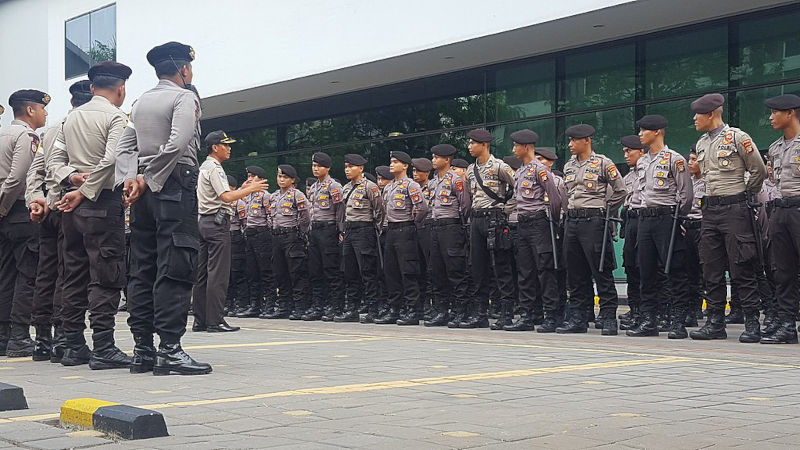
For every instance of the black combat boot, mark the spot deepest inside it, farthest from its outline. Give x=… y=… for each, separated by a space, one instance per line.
x=144 y=353
x=690 y=320
x=59 y=345
x=106 y=355
x=440 y=314
x=20 y=343
x=314 y=313
x=576 y=323
x=348 y=314
x=171 y=358
x=678 y=329
x=477 y=317
x=524 y=323
x=752 y=329
x=76 y=352
x=410 y=318
x=626 y=320
x=783 y=333
x=506 y=317
x=371 y=315
x=549 y=323
x=43 y=344
x=609 y=326
x=647 y=325
x=253 y=310
x=328 y=314
x=5 y=330
x=714 y=327
x=735 y=316
x=771 y=323
x=280 y=311
x=390 y=317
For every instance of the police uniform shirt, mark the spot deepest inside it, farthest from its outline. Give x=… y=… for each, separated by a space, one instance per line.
x=364 y=203
x=664 y=180
x=699 y=191
x=562 y=192
x=290 y=209
x=18 y=145
x=404 y=201
x=785 y=157
x=258 y=210
x=87 y=142
x=724 y=155
x=535 y=189
x=633 y=200
x=39 y=180
x=497 y=176
x=164 y=130
x=326 y=201
x=449 y=197
x=238 y=215
x=211 y=183
x=770 y=190
x=593 y=183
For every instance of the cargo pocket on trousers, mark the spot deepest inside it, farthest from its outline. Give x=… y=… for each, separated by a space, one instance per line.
x=30 y=259
x=544 y=256
x=111 y=269
x=332 y=256
x=169 y=204
x=182 y=261
x=610 y=262
x=745 y=248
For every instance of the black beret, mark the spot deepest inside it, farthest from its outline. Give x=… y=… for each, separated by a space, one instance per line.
x=323 y=159
x=174 y=51
x=693 y=149
x=310 y=181
x=443 y=150
x=110 y=69
x=232 y=181
x=480 y=135
x=525 y=137
x=652 y=122
x=288 y=170
x=632 y=141
x=546 y=153
x=422 y=164
x=460 y=163
x=257 y=171
x=403 y=157
x=218 y=137
x=384 y=172
x=354 y=159
x=80 y=87
x=580 y=131
x=28 y=95
x=707 y=103
x=513 y=162
x=783 y=102
x=370 y=177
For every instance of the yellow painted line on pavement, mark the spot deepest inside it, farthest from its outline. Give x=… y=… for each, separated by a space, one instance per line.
x=278 y=343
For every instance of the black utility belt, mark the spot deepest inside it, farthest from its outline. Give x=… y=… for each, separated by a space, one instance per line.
x=692 y=224
x=323 y=223
x=256 y=230
x=717 y=200
x=585 y=212
x=284 y=230
x=357 y=224
x=656 y=211
x=396 y=225
x=789 y=202
x=445 y=222
x=487 y=212
x=632 y=213
x=530 y=217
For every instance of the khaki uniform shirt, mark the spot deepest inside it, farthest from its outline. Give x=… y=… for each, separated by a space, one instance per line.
x=536 y=190
x=450 y=198
x=634 y=198
x=363 y=203
x=39 y=180
x=404 y=201
x=290 y=209
x=497 y=176
x=785 y=157
x=258 y=215
x=327 y=203
x=724 y=155
x=238 y=215
x=664 y=180
x=211 y=183
x=18 y=145
x=593 y=183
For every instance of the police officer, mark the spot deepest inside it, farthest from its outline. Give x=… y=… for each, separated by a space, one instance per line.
x=157 y=167
x=93 y=222
x=19 y=237
x=664 y=187
x=728 y=239
x=213 y=205
x=324 y=253
x=405 y=208
x=450 y=208
x=535 y=192
x=289 y=210
x=632 y=149
x=459 y=166
x=595 y=191
x=421 y=171
x=237 y=285
x=692 y=225
x=258 y=239
x=784 y=224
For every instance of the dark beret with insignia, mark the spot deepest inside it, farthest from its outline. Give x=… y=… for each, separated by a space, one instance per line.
x=28 y=95
x=480 y=135
x=218 y=137
x=174 y=51
x=110 y=69
x=546 y=153
x=257 y=171
x=460 y=163
x=371 y=177
x=632 y=141
x=403 y=157
x=652 y=122
x=693 y=149
x=384 y=172
x=310 y=181
x=513 y=162
x=443 y=150
x=707 y=103
x=580 y=131
x=323 y=159
x=288 y=170
x=354 y=159
x=525 y=137
x=232 y=181
x=80 y=87
x=783 y=102
x=422 y=164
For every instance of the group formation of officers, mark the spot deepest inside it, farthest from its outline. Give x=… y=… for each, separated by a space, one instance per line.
x=454 y=244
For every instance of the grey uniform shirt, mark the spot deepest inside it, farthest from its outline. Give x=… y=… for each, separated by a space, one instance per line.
x=724 y=155
x=327 y=203
x=593 y=183
x=363 y=203
x=258 y=204
x=164 y=130
x=634 y=198
x=238 y=215
x=664 y=180
x=290 y=209
x=211 y=183
x=536 y=189
x=87 y=142
x=450 y=198
x=497 y=176
x=785 y=157
x=404 y=201
x=39 y=179
x=18 y=145
x=698 y=191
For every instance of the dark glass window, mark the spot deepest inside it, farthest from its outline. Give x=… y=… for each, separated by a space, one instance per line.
x=545 y=128
x=769 y=49
x=753 y=116
x=90 y=39
x=599 y=78
x=526 y=90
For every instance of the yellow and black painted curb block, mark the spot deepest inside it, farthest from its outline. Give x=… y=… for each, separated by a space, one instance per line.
x=126 y=422
x=12 y=398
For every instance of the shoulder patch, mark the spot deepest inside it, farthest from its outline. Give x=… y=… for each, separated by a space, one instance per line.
x=459 y=185
x=748 y=146
x=612 y=171
x=543 y=176
x=680 y=165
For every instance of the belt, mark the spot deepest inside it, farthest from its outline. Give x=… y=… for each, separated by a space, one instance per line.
x=586 y=212
x=395 y=225
x=323 y=223
x=486 y=212
x=633 y=213
x=254 y=230
x=788 y=202
x=445 y=222
x=715 y=200
x=284 y=230
x=530 y=217
x=692 y=224
x=359 y=224
x=655 y=211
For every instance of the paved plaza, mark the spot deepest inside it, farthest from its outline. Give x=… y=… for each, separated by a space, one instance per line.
x=286 y=384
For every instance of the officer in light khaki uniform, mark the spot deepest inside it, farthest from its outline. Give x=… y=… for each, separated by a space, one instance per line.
x=728 y=241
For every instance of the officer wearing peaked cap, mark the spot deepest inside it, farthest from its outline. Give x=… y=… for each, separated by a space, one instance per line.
x=724 y=154
x=157 y=168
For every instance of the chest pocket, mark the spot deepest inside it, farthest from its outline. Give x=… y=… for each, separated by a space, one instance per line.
x=528 y=188
x=794 y=167
x=569 y=179
x=398 y=199
x=359 y=200
x=287 y=208
x=726 y=158
x=323 y=200
x=591 y=178
x=661 y=178
x=445 y=198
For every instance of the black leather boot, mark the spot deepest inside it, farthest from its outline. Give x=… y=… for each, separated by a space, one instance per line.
x=456 y=315
x=647 y=325
x=59 y=345
x=549 y=324
x=252 y=310
x=714 y=327
x=390 y=317
x=410 y=318
x=106 y=355
x=784 y=332
x=735 y=316
x=144 y=353
x=76 y=352
x=506 y=317
x=43 y=343
x=371 y=315
x=609 y=326
x=329 y=313
x=678 y=329
x=171 y=358
x=691 y=319
x=477 y=317
x=20 y=343
x=524 y=323
x=752 y=329
x=313 y=314
x=576 y=323
x=439 y=315
x=349 y=314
